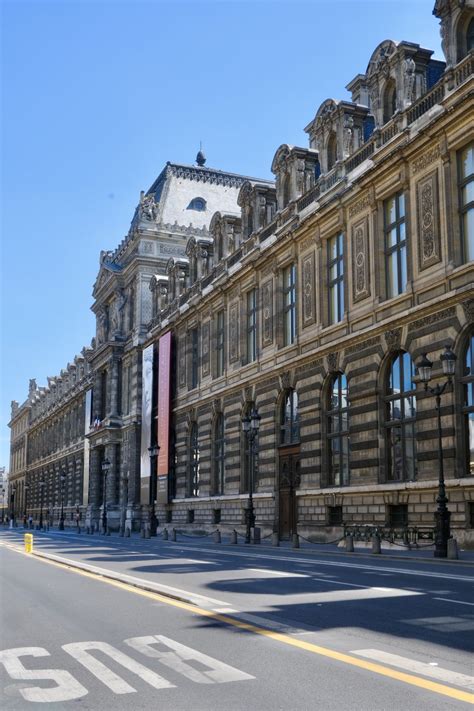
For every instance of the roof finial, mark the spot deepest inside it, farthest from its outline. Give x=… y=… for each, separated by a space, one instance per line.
x=200 y=158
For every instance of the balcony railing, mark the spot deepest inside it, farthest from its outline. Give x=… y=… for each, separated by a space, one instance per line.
x=426 y=102
x=311 y=196
x=362 y=154
x=464 y=70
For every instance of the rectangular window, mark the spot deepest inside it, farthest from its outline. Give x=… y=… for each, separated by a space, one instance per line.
x=336 y=278
x=466 y=200
x=103 y=395
x=251 y=325
x=289 y=304
x=220 y=334
x=194 y=357
x=395 y=245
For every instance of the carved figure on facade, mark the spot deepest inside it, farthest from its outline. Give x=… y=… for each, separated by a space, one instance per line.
x=468 y=308
x=148 y=208
x=267 y=304
x=234 y=332
x=333 y=358
x=428 y=235
x=308 y=289
x=118 y=308
x=361 y=288
x=393 y=338
x=348 y=135
x=102 y=326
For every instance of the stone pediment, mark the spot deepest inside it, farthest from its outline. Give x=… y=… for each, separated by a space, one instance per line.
x=106 y=271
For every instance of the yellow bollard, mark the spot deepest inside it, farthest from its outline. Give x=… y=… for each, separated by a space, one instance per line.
x=28 y=543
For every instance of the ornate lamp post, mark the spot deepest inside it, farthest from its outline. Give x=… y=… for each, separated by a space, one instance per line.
x=250 y=427
x=62 y=480
x=42 y=485
x=442 y=515
x=153 y=452
x=105 y=471
x=3 y=505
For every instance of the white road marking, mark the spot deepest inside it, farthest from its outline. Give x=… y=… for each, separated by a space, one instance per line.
x=458 y=602
x=225 y=609
x=364 y=594
x=216 y=673
x=280 y=573
x=416 y=667
x=80 y=652
x=67 y=687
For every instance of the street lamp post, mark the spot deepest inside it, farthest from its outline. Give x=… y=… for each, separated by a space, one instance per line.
x=12 y=506
x=41 y=503
x=105 y=470
x=250 y=427
x=442 y=514
x=153 y=452
x=62 y=480
x=3 y=505
x=25 y=515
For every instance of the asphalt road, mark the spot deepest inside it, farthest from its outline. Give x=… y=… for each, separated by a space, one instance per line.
x=280 y=629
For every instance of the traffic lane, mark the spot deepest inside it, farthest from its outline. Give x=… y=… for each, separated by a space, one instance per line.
x=429 y=633
x=408 y=574
x=67 y=608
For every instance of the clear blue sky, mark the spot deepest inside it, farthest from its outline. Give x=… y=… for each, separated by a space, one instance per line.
x=97 y=96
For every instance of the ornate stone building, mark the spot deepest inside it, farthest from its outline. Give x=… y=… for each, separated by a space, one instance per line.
x=309 y=299
x=49 y=453
x=319 y=299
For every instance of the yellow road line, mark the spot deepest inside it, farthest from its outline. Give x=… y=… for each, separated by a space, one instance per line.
x=276 y=636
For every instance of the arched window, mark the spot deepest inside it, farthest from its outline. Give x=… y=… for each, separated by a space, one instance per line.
x=332 y=151
x=400 y=418
x=338 y=431
x=289 y=419
x=218 y=455
x=194 y=473
x=468 y=405
x=389 y=100
x=197 y=203
x=470 y=36
x=250 y=227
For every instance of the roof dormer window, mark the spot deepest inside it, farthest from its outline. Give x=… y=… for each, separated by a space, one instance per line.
x=197 y=203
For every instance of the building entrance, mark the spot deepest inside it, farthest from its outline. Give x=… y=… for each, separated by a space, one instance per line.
x=289 y=481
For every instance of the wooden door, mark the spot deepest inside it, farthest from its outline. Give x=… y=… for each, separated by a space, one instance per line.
x=288 y=482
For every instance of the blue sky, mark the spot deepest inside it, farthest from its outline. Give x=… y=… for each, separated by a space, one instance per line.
x=97 y=96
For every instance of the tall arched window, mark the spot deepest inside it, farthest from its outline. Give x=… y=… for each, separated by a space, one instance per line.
x=331 y=151
x=400 y=418
x=194 y=473
x=389 y=100
x=218 y=455
x=289 y=419
x=470 y=36
x=338 y=431
x=468 y=405
x=286 y=190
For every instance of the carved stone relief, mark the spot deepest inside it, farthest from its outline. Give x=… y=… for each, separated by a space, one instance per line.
x=468 y=308
x=359 y=206
x=360 y=261
x=429 y=247
x=267 y=312
x=182 y=361
x=393 y=339
x=432 y=318
x=308 y=290
x=234 y=332
x=206 y=336
x=332 y=361
x=426 y=159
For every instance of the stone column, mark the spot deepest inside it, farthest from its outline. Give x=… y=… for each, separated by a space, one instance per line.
x=113 y=387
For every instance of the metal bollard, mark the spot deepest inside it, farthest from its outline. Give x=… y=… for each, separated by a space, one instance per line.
x=453 y=549
x=233 y=536
x=275 y=539
x=295 y=541
x=28 y=543
x=376 y=547
x=216 y=537
x=256 y=538
x=147 y=531
x=173 y=534
x=165 y=534
x=127 y=532
x=349 y=544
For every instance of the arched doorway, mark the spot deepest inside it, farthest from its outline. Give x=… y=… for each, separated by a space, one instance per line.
x=288 y=465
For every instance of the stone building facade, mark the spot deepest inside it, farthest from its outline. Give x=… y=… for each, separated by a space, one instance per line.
x=322 y=295
x=309 y=299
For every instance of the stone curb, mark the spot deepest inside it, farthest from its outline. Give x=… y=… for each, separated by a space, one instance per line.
x=112 y=575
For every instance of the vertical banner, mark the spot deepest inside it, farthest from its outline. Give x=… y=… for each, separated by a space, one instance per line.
x=147 y=392
x=164 y=387
x=87 y=426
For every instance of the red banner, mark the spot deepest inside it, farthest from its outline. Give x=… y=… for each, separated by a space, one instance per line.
x=164 y=387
